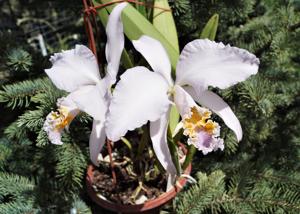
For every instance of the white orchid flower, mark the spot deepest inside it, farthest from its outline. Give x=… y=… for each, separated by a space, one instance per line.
x=76 y=71
x=142 y=95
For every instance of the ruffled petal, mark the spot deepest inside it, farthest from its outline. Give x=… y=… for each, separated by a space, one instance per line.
x=57 y=121
x=206 y=143
x=97 y=140
x=158 y=133
x=155 y=54
x=115 y=41
x=217 y=105
x=204 y=63
x=54 y=135
x=139 y=96
x=91 y=100
x=73 y=69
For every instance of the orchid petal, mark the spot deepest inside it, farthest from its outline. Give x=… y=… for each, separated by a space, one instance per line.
x=204 y=63
x=155 y=54
x=97 y=140
x=139 y=96
x=90 y=100
x=158 y=133
x=115 y=41
x=184 y=102
x=73 y=69
x=217 y=105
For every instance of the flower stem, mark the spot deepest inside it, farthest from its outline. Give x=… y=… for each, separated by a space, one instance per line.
x=144 y=142
x=174 y=153
x=112 y=165
x=189 y=156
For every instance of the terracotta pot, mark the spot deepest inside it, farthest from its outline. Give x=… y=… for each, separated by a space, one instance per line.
x=150 y=206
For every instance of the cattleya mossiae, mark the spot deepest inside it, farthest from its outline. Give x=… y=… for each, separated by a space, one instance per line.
x=76 y=71
x=142 y=95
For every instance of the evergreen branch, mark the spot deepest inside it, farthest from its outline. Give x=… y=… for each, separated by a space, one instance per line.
x=14 y=131
x=210 y=194
x=294 y=27
x=280 y=178
x=196 y=199
x=18 y=94
x=16 y=194
x=42 y=138
x=251 y=201
x=71 y=166
x=32 y=120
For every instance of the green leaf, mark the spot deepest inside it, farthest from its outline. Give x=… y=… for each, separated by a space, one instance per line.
x=136 y=25
x=126 y=142
x=174 y=118
x=141 y=8
x=163 y=21
x=174 y=153
x=189 y=156
x=103 y=15
x=210 y=29
x=126 y=61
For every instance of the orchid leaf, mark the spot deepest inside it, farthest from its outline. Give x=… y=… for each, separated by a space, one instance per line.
x=210 y=29
x=189 y=157
x=163 y=21
x=136 y=25
x=126 y=61
x=174 y=153
x=141 y=8
x=174 y=118
x=126 y=142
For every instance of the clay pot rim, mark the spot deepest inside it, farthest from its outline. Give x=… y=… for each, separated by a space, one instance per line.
x=148 y=205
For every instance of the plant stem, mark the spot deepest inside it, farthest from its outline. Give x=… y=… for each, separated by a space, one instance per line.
x=144 y=142
x=189 y=156
x=112 y=165
x=174 y=152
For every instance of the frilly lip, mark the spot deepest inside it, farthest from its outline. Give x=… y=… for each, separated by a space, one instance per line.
x=53 y=135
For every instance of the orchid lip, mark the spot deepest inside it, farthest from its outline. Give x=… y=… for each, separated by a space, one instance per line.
x=201 y=131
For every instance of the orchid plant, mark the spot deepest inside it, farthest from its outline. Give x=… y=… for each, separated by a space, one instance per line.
x=76 y=71
x=148 y=96
x=143 y=96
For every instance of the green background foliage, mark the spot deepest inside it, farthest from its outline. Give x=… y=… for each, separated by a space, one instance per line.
x=261 y=174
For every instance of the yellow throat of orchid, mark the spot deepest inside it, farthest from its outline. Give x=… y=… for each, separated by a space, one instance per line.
x=61 y=118
x=198 y=120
